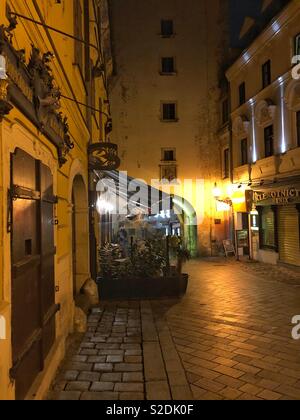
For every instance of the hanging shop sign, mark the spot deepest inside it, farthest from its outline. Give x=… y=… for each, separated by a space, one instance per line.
x=278 y=197
x=30 y=87
x=104 y=157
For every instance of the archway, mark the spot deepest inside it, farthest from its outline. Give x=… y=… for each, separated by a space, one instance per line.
x=80 y=234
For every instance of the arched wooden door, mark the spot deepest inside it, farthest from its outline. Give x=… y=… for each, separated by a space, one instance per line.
x=33 y=286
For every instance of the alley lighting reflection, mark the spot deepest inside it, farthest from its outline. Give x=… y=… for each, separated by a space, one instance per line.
x=104 y=206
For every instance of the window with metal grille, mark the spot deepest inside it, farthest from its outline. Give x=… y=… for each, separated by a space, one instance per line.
x=269 y=141
x=78 y=33
x=298 y=127
x=242 y=93
x=168 y=65
x=266 y=74
x=244 y=152
x=167 y=28
x=169 y=111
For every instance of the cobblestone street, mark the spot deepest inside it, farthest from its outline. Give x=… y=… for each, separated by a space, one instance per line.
x=228 y=338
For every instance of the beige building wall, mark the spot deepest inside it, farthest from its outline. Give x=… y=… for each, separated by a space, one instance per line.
x=275 y=105
x=138 y=90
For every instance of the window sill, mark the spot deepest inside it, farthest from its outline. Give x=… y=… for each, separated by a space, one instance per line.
x=169 y=121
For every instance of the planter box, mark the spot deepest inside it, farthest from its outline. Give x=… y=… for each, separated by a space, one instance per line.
x=155 y=288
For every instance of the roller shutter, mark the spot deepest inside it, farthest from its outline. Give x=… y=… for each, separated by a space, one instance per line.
x=289 y=241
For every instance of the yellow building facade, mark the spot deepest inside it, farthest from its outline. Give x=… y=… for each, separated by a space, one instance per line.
x=52 y=85
x=264 y=88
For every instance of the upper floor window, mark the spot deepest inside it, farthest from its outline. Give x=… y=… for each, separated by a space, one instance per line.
x=298 y=128
x=269 y=141
x=169 y=111
x=242 y=93
x=225 y=111
x=266 y=74
x=78 y=32
x=167 y=28
x=297 y=45
x=244 y=152
x=168 y=65
x=226 y=163
x=169 y=155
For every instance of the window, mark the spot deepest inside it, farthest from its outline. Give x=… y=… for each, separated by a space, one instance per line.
x=298 y=128
x=242 y=93
x=167 y=65
x=268 y=228
x=297 y=45
x=169 y=112
x=244 y=152
x=167 y=28
x=266 y=74
x=78 y=32
x=169 y=155
x=269 y=141
x=225 y=111
x=226 y=164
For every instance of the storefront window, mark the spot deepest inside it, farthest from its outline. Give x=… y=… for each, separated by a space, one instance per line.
x=268 y=222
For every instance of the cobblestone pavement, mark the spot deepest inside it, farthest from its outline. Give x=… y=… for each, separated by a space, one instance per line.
x=228 y=338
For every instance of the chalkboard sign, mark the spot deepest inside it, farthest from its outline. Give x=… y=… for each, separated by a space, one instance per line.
x=229 y=247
